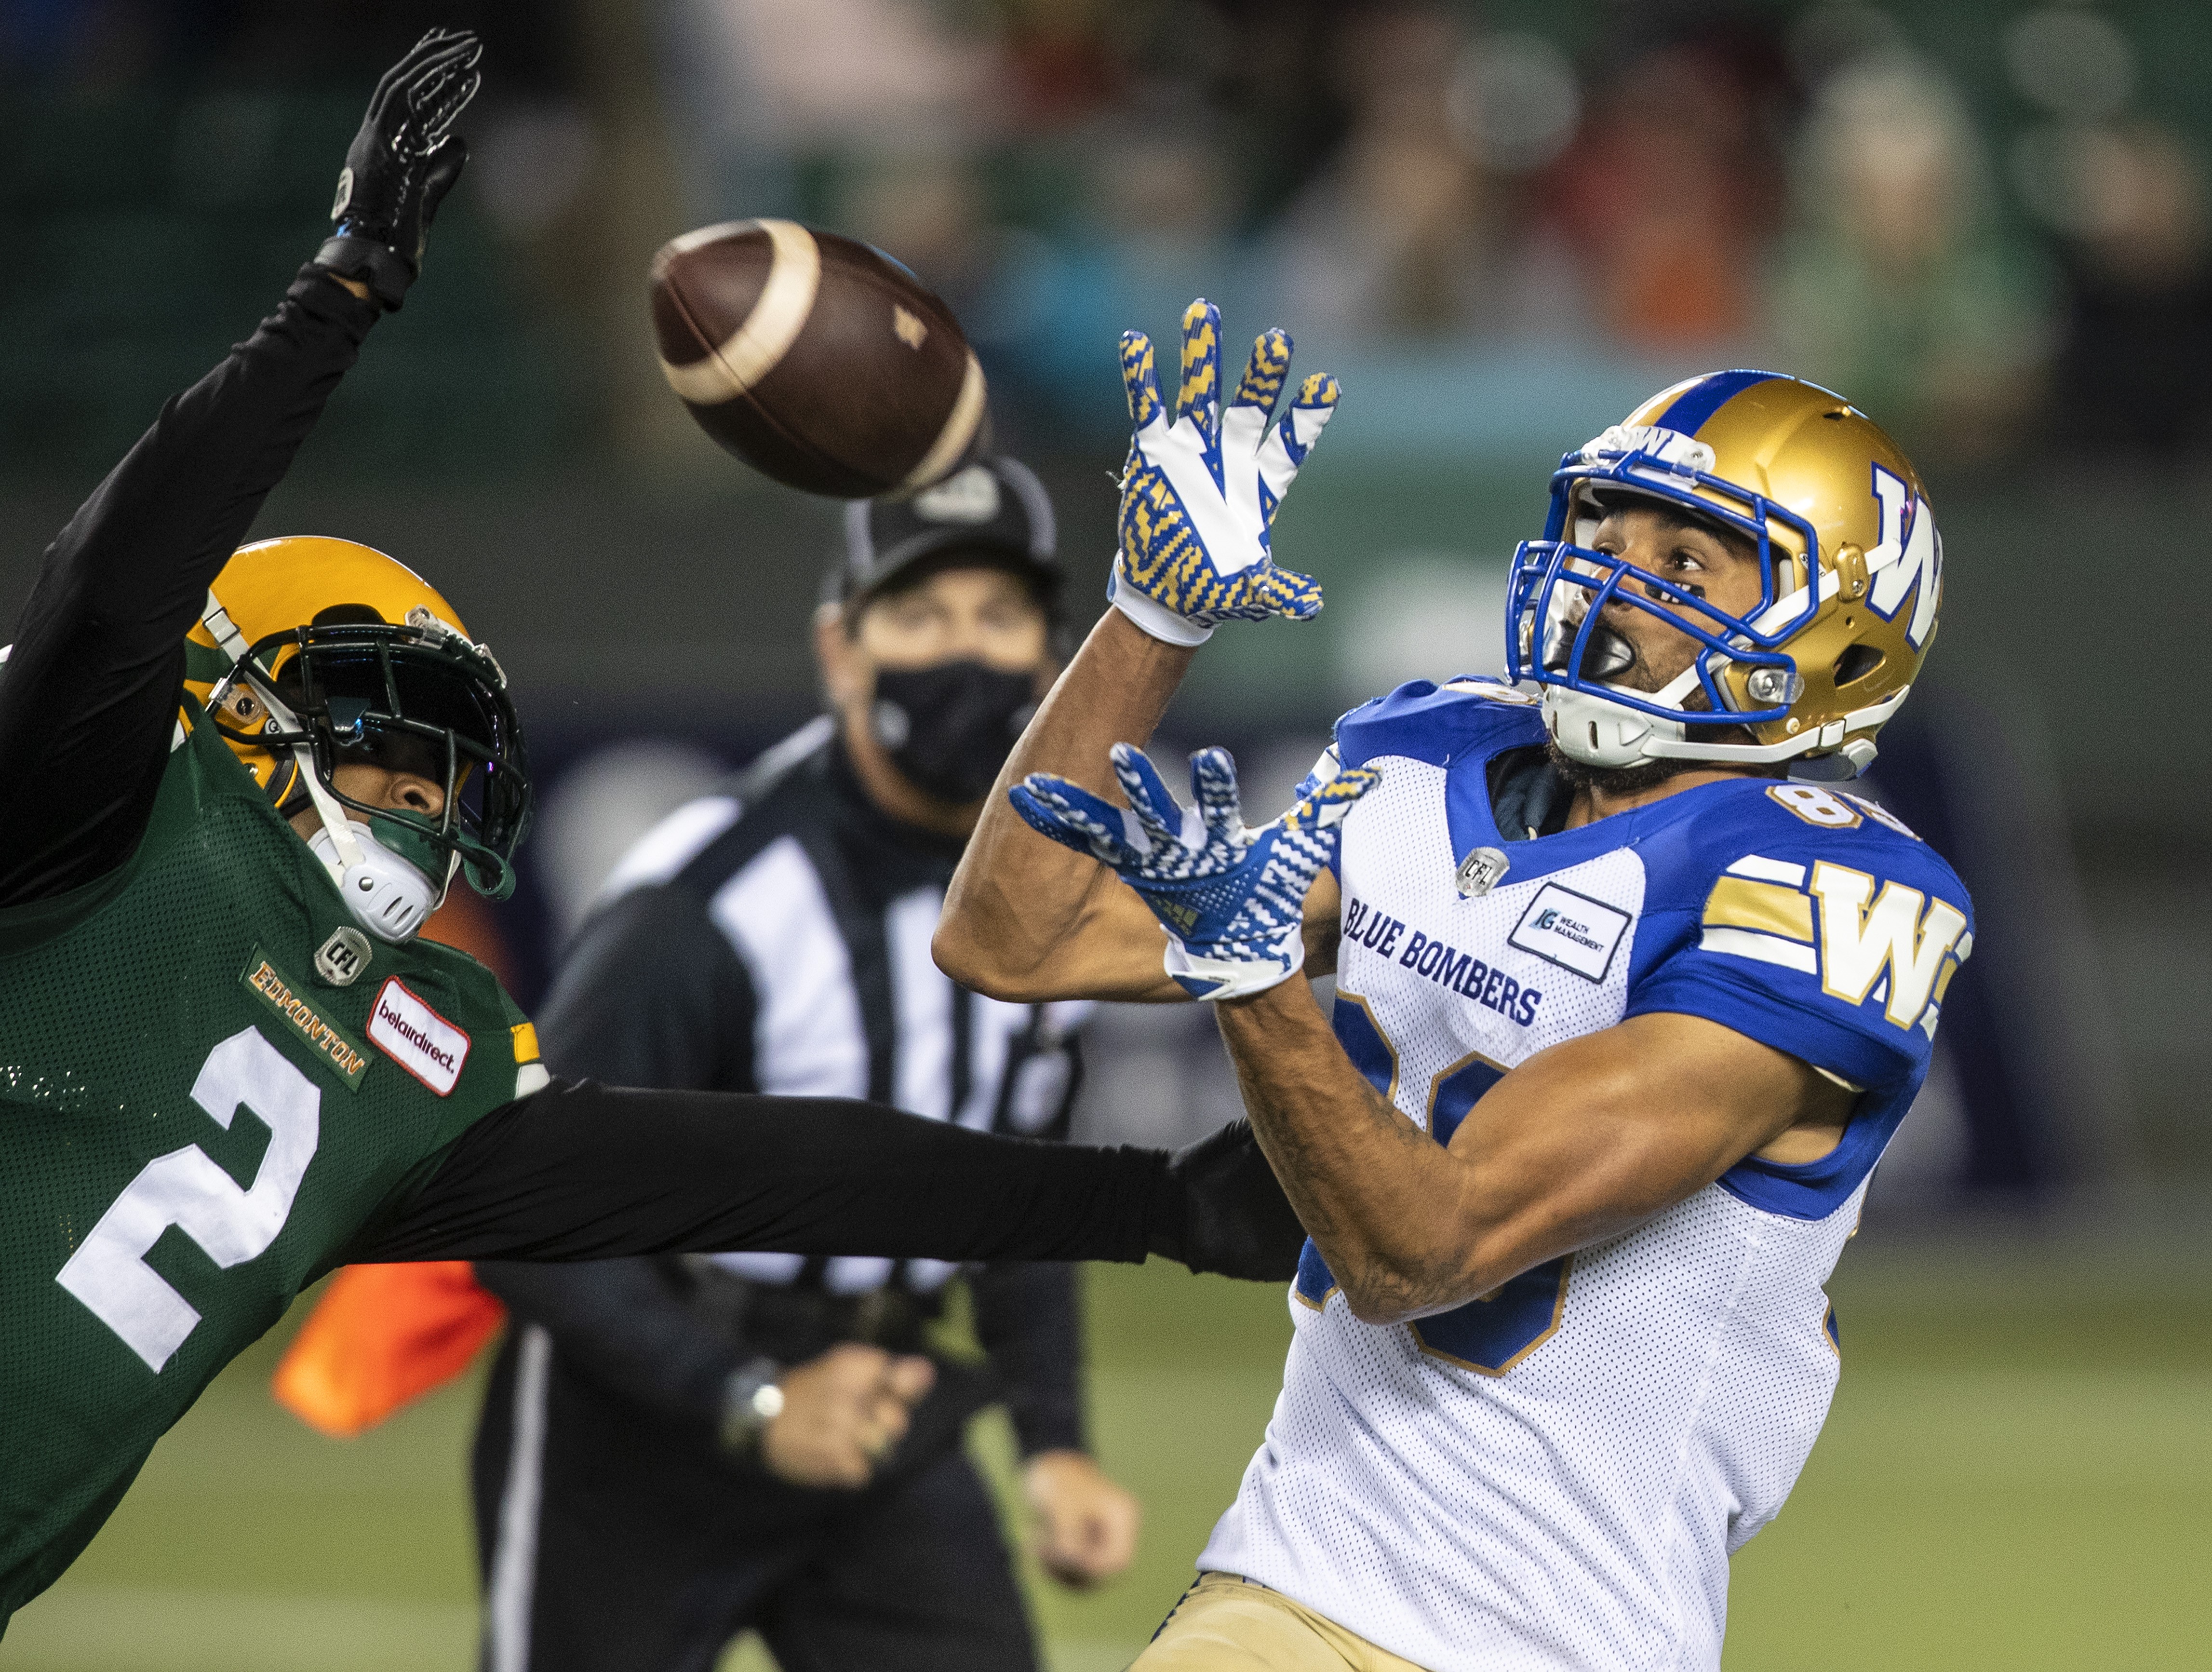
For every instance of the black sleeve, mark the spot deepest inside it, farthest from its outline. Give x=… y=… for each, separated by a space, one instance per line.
x=1029 y=1319
x=88 y=694
x=650 y=994
x=621 y=1323
x=586 y=1172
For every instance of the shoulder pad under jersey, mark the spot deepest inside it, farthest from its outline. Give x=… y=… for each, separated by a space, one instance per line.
x=1425 y=721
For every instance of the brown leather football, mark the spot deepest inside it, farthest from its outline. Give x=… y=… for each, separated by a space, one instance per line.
x=815 y=359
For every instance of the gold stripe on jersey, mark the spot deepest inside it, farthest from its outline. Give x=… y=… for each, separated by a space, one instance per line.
x=1738 y=902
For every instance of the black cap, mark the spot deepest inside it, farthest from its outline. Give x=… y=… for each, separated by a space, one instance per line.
x=994 y=510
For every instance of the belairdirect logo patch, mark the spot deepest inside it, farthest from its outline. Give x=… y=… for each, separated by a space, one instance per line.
x=345 y=1057
x=404 y=1028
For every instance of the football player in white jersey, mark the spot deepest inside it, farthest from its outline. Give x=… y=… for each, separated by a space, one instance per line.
x=1632 y=992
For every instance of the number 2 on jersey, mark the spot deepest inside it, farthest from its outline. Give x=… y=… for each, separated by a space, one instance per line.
x=185 y=1189
x=1492 y=1333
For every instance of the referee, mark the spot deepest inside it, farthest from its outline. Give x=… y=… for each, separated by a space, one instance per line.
x=671 y=1450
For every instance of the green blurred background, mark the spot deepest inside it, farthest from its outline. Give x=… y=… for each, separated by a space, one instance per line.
x=2017 y=1473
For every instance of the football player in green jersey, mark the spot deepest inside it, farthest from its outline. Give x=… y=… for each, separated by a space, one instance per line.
x=234 y=785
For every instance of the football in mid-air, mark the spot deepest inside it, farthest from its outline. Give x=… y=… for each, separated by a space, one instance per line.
x=816 y=359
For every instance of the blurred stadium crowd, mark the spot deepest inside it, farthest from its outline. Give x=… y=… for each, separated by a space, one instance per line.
x=1987 y=222
x=1814 y=189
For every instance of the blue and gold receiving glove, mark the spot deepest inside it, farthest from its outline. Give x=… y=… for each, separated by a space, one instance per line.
x=1232 y=899
x=1199 y=494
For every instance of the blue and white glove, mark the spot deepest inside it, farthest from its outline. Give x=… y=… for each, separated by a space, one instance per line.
x=1232 y=899
x=1199 y=494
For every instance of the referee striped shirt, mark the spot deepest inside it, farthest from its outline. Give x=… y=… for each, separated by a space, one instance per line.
x=775 y=937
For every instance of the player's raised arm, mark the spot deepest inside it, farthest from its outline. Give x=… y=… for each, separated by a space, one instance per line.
x=1026 y=920
x=88 y=692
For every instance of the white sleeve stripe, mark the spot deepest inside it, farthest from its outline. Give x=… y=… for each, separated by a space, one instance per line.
x=1766 y=948
x=809 y=1040
x=1769 y=871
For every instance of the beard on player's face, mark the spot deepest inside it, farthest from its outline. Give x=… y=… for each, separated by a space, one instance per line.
x=1617 y=782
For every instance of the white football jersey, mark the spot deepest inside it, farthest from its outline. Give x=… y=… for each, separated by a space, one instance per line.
x=1555 y=1475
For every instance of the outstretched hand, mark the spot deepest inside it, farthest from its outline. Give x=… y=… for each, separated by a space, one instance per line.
x=1199 y=491
x=1232 y=898
x=401 y=164
x=1228 y=1214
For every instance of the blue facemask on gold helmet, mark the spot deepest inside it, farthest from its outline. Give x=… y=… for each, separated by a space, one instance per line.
x=1851 y=568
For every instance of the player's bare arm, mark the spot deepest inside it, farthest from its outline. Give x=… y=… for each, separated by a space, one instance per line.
x=1581 y=1142
x=1025 y=921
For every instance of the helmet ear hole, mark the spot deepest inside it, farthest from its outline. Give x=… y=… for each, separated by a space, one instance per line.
x=1856 y=663
x=347 y=615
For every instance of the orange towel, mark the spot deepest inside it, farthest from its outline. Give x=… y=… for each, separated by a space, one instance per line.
x=381 y=1336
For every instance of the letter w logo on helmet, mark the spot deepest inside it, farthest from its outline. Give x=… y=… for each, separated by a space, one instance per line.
x=1910 y=550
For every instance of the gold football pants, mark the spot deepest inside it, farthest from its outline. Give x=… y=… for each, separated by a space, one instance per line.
x=1227 y=1624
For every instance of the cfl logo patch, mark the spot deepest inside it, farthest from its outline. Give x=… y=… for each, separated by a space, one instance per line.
x=340 y=960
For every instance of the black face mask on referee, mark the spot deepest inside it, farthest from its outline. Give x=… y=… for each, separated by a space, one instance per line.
x=948 y=728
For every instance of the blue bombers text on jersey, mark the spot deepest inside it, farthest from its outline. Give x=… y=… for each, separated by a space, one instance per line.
x=1555 y=1473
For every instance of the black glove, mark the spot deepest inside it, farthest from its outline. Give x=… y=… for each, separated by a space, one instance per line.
x=1224 y=1212
x=401 y=164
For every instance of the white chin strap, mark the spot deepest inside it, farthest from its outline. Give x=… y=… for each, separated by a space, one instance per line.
x=387 y=895
x=1601 y=733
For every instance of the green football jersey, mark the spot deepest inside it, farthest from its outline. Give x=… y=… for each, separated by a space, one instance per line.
x=209 y=1081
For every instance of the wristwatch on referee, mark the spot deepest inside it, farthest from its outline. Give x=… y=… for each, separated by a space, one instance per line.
x=750 y=1400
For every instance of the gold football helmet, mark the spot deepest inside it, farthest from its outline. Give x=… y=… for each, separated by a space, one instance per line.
x=1853 y=567
x=313 y=651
